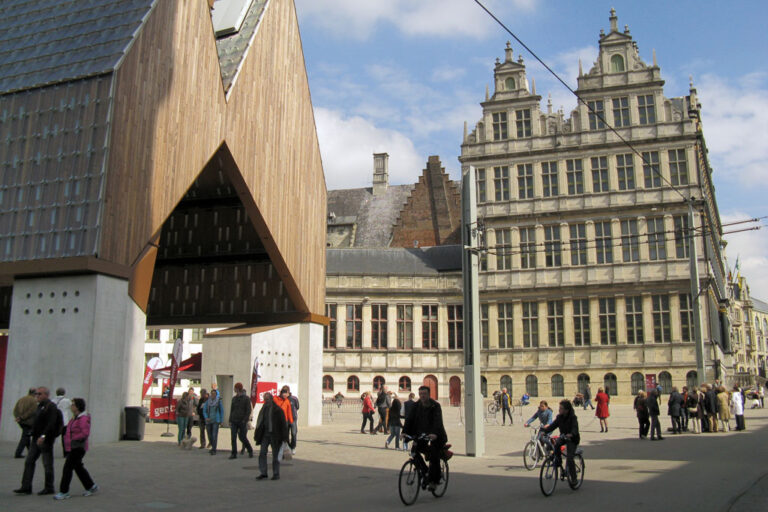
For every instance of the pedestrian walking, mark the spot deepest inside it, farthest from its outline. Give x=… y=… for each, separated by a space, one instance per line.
x=183 y=408
x=602 y=411
x=710 y=408
x=506 y=403
x=63 y=404
x=588 y=398
x=383 y=401
x=652 y=404
x=738 y=408
x=367 y=412
x=674 y=409
x=271 y=431
x=293 y=427
x=642 y=414
x=193 y=402
x=75 y=440
x=213 y=412
x=45 y=429
x=201 y=417
x=395 y=424
x=407 y=408
x=24 y=412
x=724 y=409
x=284 y=403
x=239 y=415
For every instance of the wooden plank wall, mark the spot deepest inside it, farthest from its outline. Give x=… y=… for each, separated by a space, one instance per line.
x=171 y=115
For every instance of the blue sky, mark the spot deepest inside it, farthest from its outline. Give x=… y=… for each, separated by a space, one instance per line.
x=402 y=76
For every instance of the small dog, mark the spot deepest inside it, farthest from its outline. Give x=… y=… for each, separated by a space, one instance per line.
x=188 y=442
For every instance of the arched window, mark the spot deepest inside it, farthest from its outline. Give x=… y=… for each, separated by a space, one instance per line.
x=484 y=386
x=617 y=63
x=692 y=379
x=638 y=383
x=509 y=84
x=609 y=382
x=404 y=384
x=582 y=382
x=327 y=383
x=378 y=382
x=353 y=383
x=532 y=385
x=665 y=379
x=558 y=387
x=506 y=382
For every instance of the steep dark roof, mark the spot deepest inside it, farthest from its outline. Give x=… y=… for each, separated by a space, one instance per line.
x=374 y=215
x=397 y=261
x=50 y=41
x=759 y=305
x=232 y=48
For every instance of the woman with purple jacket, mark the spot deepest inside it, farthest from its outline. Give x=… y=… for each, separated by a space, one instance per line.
x=75 y=445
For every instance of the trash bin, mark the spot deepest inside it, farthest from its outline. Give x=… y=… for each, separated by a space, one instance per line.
x=135 y=420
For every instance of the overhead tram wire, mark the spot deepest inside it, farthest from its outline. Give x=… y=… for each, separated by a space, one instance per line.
x=593 y=111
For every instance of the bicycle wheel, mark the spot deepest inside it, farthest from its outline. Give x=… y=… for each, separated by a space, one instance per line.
x=442 y=486
x=409 y=482
x=548 y=476
x=578 y=461
x=531 y=456
x=492 y=408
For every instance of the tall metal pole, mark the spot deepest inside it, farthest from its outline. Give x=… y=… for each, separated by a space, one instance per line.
x=693 y=256
x=473 y=398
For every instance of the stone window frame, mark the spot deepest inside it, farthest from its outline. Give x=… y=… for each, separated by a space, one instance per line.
x=330 y=331
x=574 y=173
x=505 y=324
x=662 y=325
x=678 y=167
x=455 y=326
x=604 y=241
x=633 y=314
x=651 y=169
x=354 y=325
x=504 y=249
x=482 y=191
x=630 y=240
x=657 y=240
x=553 y=247
x=625 y=171
x=530 y=324
x=617 y=63
x=404 y=326
x=484 y=325
x=328 y=383
x=686 y=317
x=607 y=318
x=532 y=385
x=429 y=326
x=549 y=179
x=682 y=236
x=581 y=323
x=578 y=243
x=527 y=247
x=501 y=183
x=523 y=123
x=621 y=117
x=379 y=324
x=499 y=123
x=599 y=166
x=646 y=109
x=353 y=383
x=557 y=385
x=555 y=321
x=525 y=189
x=596 y=114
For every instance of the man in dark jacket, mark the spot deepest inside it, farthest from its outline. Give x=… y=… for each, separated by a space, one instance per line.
x=710 y=408
x=675 y=404
x=200 y=420
x=24 y=412
x=427 y=418
x=271 y=430
x=652 y=404
x=239 y=414
x=45 y=430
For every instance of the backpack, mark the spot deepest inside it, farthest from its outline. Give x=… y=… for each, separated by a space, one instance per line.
x=59 y=423
x=691 y=402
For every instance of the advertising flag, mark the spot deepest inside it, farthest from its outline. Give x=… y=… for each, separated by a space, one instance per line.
x=178 y=347
x=255 y=382
x=152 y=364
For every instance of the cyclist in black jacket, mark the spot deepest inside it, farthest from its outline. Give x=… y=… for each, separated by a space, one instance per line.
x=426 y=417
x=568 y=424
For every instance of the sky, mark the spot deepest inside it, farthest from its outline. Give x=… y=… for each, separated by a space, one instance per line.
x=402 y=77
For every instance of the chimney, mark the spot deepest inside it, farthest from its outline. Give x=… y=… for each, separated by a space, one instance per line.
x=380 y=173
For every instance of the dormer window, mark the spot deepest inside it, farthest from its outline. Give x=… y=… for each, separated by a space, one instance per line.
x=509 y=84
x=617 y=64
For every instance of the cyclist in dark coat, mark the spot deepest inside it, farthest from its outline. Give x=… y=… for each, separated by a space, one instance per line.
x=568 y=424
x=427 y=418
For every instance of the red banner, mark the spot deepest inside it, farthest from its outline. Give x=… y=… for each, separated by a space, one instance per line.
x=650 y=381
x=254 y=383
x=160 y=410
x=147 y=381
x=264 y=387
x=175 y=360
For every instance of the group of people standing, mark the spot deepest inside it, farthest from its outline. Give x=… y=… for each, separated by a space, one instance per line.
x=42 y=420
x=703 y=410
x=391 y=411
x=276 y=425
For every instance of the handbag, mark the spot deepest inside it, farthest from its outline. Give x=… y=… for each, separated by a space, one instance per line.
x=77 y=444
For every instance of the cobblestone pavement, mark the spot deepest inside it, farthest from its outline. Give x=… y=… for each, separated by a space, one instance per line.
x=337 y=468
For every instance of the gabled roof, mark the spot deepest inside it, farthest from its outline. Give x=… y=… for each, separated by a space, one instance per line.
x=232 y=48
x=45 y=42
x=374 y=215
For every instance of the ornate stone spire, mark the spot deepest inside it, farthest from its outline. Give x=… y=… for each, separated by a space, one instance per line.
x=508 y=53
x=533 y=86
x=614 y=21
x=487 y=93
x=581 y=71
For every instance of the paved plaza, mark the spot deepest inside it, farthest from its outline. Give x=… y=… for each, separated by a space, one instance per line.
x=337 y=468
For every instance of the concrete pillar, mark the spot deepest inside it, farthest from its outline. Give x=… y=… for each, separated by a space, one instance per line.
x=82 y=333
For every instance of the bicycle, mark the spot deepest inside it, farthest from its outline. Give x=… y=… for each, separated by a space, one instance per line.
x=536 y=449
x=553 y=470
x=414 y=475
x=495 y=406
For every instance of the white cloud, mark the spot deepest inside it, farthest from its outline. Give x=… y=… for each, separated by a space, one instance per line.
x=446 y=18
x=565 y=64
x=751 y=248
x=347 y=145
x=447 y=73
x=735 y=116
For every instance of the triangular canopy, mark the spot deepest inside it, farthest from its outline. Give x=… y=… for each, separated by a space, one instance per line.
x=190 y=368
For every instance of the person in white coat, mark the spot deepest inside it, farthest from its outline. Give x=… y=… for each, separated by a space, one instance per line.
x=738 y=408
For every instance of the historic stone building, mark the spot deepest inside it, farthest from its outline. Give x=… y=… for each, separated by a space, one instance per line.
x=749 y=329
x=586 y=278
